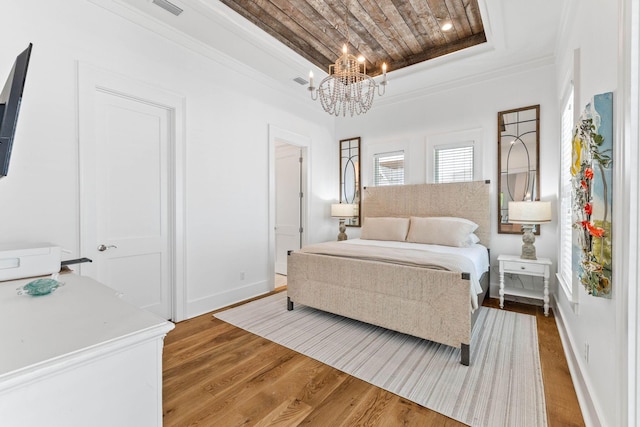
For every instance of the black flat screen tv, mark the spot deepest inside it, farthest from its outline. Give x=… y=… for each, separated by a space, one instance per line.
x=10 y=100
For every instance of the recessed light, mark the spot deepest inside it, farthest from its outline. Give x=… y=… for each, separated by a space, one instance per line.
x=446 y=26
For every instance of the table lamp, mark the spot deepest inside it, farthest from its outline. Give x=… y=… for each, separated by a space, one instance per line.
x=529 y=214
x=343 y=211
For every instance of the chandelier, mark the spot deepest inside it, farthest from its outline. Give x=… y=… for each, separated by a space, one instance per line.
x=347 y=88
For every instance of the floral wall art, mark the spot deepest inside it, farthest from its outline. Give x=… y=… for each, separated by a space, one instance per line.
x=592 y=176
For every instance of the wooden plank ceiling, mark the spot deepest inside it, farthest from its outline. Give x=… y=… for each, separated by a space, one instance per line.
x=398 y=32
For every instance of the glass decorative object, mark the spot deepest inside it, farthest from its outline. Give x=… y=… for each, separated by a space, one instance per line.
x=39 y=287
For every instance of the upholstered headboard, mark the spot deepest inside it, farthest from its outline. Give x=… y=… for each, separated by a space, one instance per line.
x=468 y=200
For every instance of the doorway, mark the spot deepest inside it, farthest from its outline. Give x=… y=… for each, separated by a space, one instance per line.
x=288 y=227
x=288 y=196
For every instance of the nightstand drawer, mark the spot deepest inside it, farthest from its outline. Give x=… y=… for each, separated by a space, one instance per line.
x=515 y=267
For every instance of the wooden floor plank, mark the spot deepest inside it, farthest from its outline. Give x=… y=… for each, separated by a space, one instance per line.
x=288 y=413
x=217 y=374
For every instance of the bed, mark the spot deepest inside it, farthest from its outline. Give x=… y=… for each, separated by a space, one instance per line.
x=433 y=302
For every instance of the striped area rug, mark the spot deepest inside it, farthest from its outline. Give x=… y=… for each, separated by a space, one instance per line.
x=502 y=387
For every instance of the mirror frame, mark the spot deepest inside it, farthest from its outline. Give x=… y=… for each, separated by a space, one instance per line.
x=504 y=227
x=350 y=190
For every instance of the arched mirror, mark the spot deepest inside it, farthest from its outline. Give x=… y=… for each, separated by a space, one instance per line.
x=350 y=176
x=518 y=162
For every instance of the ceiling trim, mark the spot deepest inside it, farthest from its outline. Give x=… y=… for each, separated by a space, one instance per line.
x=426 y=91
x=138 y=17
x=232 y=21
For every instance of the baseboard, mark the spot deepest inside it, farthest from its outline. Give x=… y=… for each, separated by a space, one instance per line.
x=580 y=382
x=226 y=298
x=494 y=290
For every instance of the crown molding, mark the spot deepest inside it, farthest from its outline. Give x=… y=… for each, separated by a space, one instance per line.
x=138 y=17
x=492 y=74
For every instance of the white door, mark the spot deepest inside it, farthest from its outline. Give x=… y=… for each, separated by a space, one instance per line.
x=126 y=193
x=288 y=202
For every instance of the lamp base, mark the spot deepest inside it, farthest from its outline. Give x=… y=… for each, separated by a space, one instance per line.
x=528 y=238
x=342 y=235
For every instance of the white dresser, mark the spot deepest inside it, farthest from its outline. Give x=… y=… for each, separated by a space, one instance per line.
x=79 y=356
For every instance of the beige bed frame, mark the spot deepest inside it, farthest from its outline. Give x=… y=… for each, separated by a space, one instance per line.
x=429 y=304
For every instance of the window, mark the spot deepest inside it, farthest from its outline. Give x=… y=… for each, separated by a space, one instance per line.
x=453 y=163
x=454 y=156
x=564 y=218
x=388 y=168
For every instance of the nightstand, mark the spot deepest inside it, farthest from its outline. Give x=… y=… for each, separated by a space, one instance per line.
x=528 y=267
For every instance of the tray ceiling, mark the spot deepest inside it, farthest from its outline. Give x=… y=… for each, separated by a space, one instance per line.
x=398 y=32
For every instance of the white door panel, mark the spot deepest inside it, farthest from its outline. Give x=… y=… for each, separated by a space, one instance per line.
x=287 y=239
x=138 y=278
x=287 y=203
x=129 y=206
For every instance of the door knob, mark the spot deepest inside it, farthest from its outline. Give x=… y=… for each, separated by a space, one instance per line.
x=103 y=248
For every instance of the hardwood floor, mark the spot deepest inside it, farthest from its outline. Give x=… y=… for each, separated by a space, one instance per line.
x=218 y=375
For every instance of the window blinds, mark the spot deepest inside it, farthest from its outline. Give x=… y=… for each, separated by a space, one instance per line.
x=565 y=219
x=453 y=164
x=388 y=168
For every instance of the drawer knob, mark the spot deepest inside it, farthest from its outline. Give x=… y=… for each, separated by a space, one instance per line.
x=522 y=267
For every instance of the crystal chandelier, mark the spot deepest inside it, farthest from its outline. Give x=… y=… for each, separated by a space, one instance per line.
x=347 y=88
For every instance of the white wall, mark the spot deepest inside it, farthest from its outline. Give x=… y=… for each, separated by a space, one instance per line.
x=629 y=303
x=592 y=27
x=470 y=107
x=228 y=112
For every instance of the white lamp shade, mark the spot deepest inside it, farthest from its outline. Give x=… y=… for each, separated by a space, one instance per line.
x=529 y=212
x=344 y=210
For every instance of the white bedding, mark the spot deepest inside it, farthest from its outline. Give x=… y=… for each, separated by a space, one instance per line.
x=473 y=260
x=476 y=253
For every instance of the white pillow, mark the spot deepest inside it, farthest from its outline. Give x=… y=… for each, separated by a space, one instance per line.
x=446 y=231
x=472 y=239
x=385 y=228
